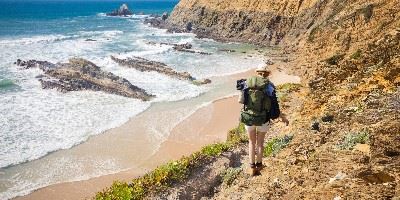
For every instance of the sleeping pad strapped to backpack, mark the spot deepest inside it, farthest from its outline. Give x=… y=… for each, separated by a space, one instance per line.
x=261 y=102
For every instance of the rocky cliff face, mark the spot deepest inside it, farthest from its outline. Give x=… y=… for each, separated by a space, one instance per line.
x=348 y=55
x=254 y=21
x=269 y=22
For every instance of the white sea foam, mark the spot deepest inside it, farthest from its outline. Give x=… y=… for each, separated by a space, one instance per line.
x=68 y=116
x=22 y=186
x=31 y=40
x=134 y=16
x=112 y=33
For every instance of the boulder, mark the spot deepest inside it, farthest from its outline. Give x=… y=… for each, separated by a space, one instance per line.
x=164 y=16
x=180 y=47
x=189 y=27
x=122 y=11
x=202 y=81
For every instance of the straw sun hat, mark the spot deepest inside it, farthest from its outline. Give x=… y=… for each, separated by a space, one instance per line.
x=263 y=69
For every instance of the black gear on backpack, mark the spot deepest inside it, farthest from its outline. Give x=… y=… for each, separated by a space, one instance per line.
x=274 y=111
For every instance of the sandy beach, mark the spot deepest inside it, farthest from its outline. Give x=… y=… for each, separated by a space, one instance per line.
x=206 y=125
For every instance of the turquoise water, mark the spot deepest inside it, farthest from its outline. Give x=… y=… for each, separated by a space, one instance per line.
x=33 y=17
x=35 y=122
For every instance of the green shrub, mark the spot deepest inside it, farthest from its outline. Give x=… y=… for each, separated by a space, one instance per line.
x=351 y=139
x=356 y=55
x=215 y=149
x=118 y=191
x=273 y=146
x=230 y=175
x=237 y=135
x=288 y=87
x=283 y=91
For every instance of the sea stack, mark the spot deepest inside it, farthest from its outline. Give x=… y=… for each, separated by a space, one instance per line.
x=122 y=11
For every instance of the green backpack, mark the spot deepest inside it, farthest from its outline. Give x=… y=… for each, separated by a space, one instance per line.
x=258 y=104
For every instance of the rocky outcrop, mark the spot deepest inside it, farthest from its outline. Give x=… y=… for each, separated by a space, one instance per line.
x=122 y=11
x=186 y=47
x=79 y=74
x=156 y=21
x=145 y=65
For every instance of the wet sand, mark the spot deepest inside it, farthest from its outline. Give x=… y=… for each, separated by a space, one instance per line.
x=207 y=125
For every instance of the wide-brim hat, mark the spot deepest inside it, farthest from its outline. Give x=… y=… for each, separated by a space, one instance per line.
x=263 y=69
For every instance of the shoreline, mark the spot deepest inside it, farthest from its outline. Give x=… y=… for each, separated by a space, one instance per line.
x=207 y=124
x=73 y=189
x=166 y=152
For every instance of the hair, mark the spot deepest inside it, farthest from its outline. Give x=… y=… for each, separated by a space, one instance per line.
x=264 y=73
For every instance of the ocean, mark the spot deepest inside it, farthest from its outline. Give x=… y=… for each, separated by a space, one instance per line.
x=36 y=122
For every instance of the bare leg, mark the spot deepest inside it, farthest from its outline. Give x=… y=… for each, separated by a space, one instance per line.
x=252 y=144
x=260 y=146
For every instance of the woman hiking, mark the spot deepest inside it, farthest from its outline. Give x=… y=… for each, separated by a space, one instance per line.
x=260 y=107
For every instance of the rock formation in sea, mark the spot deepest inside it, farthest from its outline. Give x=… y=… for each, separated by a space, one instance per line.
x=80 y=74
x=145 y=65
x=186 y=47
x=122 y=11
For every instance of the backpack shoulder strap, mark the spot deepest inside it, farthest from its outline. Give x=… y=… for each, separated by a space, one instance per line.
x=256 y=82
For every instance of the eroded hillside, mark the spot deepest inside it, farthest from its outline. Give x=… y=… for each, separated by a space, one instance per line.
x=345 y=117
x=347 y=53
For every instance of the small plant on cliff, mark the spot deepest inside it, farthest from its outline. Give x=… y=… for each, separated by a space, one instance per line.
x=285 y=89
x=351 y=139
x=118 y=191
x=356 y=55
x=277 y=144
x=288 y=87
x=230 y=175
x=334 y=60
x=215 y=150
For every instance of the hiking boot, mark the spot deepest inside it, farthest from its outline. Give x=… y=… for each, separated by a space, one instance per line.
x=259 y=166
x=253 y=169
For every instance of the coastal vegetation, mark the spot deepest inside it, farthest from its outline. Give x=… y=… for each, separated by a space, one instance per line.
x=165 y=176
x=351 y=139
x=174 y=171
x=272 y=147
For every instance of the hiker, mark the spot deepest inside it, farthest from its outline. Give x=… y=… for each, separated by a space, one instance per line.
x=260 y=107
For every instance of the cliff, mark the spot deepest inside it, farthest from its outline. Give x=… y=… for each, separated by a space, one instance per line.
x=347 y=53
x=269 y=22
